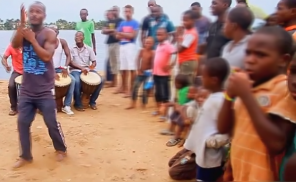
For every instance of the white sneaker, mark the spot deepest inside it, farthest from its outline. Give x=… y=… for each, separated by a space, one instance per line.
x=67 y=110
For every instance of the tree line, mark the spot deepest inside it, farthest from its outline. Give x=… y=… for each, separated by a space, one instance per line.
x=11 y=24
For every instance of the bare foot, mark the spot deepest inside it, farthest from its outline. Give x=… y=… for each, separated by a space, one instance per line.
x=20 y=163
x=61 y=156
x=118 y=92
x=131 y=107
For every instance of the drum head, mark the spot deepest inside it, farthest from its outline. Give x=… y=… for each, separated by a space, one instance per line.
x=62 y=82
x=91 y=78
x=19 y=79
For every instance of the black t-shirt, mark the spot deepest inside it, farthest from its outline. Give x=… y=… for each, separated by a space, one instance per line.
x=111 y=39
x=216 y=40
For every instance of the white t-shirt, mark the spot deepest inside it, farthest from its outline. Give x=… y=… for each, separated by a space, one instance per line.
x=205 y=126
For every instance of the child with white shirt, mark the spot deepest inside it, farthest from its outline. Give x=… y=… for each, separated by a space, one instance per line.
x=204 y=139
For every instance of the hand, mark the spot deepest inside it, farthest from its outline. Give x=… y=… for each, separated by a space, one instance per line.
x=85 y=71
x=65 y=73
x=140 y=72
x=180 y=39
x=92 y=66
x=57 y=77
x=23 y=15
x=238 y=84
x=167 y=68
x=95 y=51
x=28 y=34
x=7 y=68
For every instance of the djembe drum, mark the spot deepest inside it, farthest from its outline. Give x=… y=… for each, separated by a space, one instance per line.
x=18 y=82
x=61 y=88
x=90 y=83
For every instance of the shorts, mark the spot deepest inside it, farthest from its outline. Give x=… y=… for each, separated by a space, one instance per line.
x=127 y=57
x=189 y=68
x=209 y=174
x=113 y=52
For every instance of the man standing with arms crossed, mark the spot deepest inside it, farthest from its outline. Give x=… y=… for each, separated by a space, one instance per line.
x=17 y=64
x=37 y=90
x=127 y=34
x=88 y=28
x=113 y=45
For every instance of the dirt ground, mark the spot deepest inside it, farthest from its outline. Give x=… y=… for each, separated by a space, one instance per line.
x=110 y=144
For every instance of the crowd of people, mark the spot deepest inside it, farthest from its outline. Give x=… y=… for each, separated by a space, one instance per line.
x=233 y=109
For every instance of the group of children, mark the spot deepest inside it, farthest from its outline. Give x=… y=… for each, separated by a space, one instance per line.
x=252 y=110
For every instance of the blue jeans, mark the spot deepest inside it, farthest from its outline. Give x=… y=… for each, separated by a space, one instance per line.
x=69 y=96
x=77 y=90
x=27 y=110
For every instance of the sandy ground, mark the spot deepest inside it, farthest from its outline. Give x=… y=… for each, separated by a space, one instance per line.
x=110 y=144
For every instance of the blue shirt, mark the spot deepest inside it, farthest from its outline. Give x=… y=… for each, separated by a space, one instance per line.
x=202 y=26
x=154 y=25
x=128 y=27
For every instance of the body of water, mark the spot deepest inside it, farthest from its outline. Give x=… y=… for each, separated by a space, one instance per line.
x=68 y=35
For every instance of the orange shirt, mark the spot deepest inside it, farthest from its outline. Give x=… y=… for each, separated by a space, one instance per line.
x=189 y=54
x=292 y=28
x=17 y=58
x=250 y=160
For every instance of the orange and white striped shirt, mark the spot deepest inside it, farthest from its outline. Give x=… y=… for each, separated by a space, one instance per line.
x=250 y=160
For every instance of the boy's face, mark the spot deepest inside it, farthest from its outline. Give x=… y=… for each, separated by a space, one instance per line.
x=207 y=80
x=128 y=12
x=187 y=21
x=218 y=7
x=263 y=59
x=228 y=28
x=284 y=13
x=292 y=79
x=161 y=35
x=201 y=96
x=148 y=43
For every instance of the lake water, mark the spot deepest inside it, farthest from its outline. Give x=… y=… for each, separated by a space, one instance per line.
x=68 y=35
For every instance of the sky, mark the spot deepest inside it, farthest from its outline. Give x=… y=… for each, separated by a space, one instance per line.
x=63 y=9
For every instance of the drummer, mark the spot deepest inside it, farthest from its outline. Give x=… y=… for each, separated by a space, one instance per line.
x=62 y=46
x=83 y=61
x=17 y=64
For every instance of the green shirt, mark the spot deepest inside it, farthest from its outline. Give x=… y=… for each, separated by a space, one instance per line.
x=182 y=95
x=88 y=28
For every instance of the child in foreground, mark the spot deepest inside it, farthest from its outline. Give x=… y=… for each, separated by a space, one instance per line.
x=183 y=86
x=262 y=121
x=144 y=69
x=209 y=158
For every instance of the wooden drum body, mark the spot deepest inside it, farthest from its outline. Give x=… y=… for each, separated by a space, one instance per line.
x=18 y=82
x=90 y=83
x=61 y=88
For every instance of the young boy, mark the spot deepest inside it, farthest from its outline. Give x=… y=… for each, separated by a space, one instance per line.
x=209 y=159
x=162 y=68
x=286 y=15
x=187 y=46
x=237 y=28
x=262 y=121
x=144 y=66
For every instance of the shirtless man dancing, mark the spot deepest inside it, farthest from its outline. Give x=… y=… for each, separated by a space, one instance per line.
x=37 y=90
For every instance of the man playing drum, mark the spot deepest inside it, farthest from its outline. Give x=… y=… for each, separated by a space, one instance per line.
x=62 y=46
x=82 y=56
x=17 y=64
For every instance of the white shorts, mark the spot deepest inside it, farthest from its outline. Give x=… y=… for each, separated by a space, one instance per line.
x=127 y=57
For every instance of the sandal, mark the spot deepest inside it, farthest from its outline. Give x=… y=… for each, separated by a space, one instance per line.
x=173 y=142
x=12 y=113
x=166 y=132
x=93 y=107
x=79 y=108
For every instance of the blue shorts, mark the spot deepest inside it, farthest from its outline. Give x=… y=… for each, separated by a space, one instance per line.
x=209 y=174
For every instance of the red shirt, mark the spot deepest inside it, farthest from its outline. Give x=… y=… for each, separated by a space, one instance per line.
x=17 y=58
x=163 y=54
x=189 y=54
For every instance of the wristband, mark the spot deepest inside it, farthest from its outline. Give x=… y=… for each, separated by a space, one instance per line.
x=228 y=98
